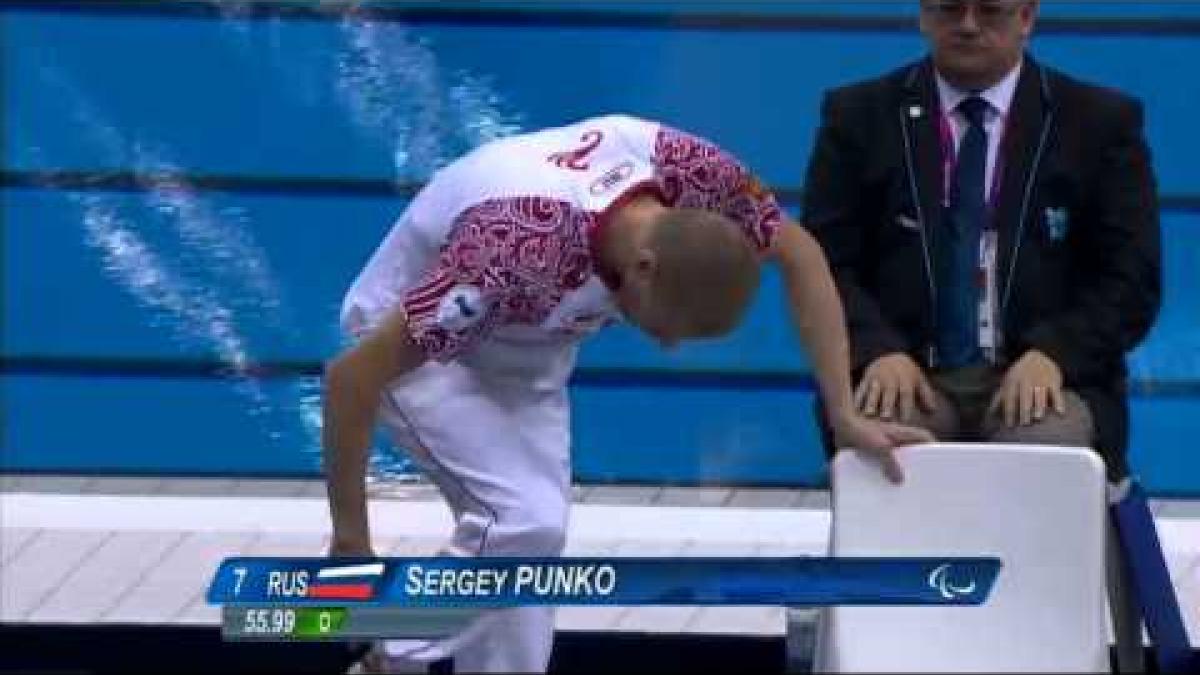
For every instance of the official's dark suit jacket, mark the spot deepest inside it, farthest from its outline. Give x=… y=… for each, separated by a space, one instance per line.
x=1079 y=262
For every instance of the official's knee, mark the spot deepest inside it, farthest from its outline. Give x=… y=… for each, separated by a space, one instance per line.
x=1075 y=427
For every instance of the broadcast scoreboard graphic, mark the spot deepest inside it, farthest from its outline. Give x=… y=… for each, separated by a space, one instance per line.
x=350 y=599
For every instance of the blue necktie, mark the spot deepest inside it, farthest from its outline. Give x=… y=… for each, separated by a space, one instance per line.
x=958 y=254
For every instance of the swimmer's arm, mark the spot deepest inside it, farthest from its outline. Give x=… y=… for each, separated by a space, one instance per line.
x=816 y=310
x=354 y=382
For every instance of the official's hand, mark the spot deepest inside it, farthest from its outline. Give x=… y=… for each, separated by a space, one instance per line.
x=1032 y=384
x=893 y=384
x=878 y=439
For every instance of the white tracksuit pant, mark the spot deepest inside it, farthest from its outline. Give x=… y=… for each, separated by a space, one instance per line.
x=499 y=453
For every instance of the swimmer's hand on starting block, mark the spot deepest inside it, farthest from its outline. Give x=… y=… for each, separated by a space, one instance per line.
x=878 y=440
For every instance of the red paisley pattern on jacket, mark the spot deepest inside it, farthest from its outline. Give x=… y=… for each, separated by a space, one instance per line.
x=518 y=255
x=694 y=173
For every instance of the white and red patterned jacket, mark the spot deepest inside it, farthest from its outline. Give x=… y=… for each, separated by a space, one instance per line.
x=492 y=260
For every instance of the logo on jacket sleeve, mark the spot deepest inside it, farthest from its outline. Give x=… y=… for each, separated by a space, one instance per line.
x=462 y=307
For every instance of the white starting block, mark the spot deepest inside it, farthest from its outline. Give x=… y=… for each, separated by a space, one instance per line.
x=1040 y=509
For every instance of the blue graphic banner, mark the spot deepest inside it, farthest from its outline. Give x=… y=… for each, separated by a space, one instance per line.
x=510 y=582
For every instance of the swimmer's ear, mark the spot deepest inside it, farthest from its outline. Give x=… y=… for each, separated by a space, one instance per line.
x=645 y=265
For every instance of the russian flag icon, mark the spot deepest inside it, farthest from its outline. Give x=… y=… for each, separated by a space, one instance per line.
x=346 y=582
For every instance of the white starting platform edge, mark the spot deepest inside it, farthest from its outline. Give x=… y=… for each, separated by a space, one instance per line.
x=101 y=556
